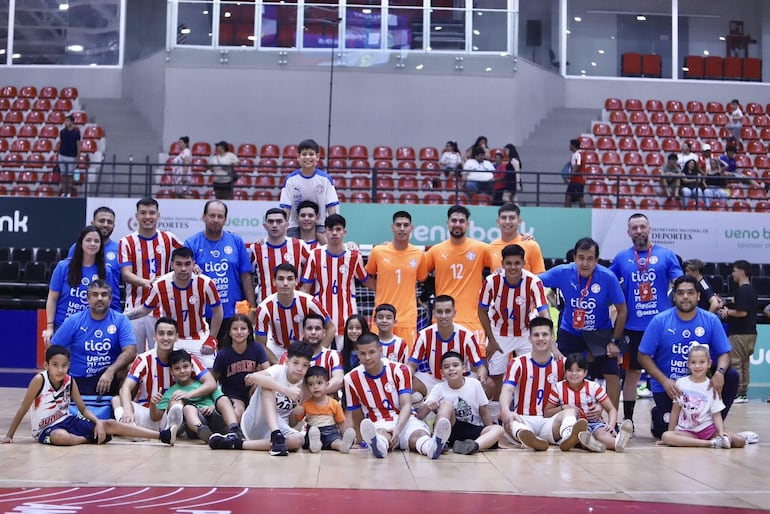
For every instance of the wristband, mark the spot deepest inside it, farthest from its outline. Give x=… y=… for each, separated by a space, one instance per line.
x=211 y=342
x=615 y=340
x=721 y=370
x=50 y=323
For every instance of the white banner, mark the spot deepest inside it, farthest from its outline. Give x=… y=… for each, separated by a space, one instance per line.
x=183 y=217
x=705 y=235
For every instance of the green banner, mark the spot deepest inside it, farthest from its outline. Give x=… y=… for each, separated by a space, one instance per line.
x=555 y=228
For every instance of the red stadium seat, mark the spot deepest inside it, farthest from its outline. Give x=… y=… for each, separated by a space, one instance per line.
x=673 y=106
x=432 y=199
x=586 y=143
x=42 y=146
x=694 y=67
x=93 y=132
x=70 y=93
x=45 y=191
x=14 y=117
x=80 y=117
x=685 y=132
x=270 y=151
x=360 y=197
x=358 y=152
x=602 y=202
x=670 y=145
x=627 y=144
x=613 y=104
x=611 y=158
x=34 y=118
x=175 y=148
x=405 y=153
x=631 y=64
x=481 y=199
x=430 y=167
x=748 y=133
x=649 y=204
x=649 y=144
x=592 y=169
x=622 y=129
x=201 y=149
x=720 y=119
x=718 y=205
x=41 y=104
x=407 y=166
x=338 y=152
x=613 y=171
x=762 y=206
x=240 y=194
x=385 y=197
x=671 y=204
x=651 y=66
x=198 y=164
x=408 y=183
x=733 y=68
x=262 y=195
x=653 y=105
x=605 y=143
x=7 y=131
x=713 y=68
x=8 y=92
x=754 y=108
x=7 y=176
x=247 y=151
x=21 y=104
x=741 y=206
x=385 y=183
x=618 y=117
x=49 y=93
x=21 y=146
x=601 y=129
x=707 y=132
x=28 y=131
x=360 y=182
x=625 y=202
x=62 y=105
x=634 y=104
x=680 y=118
x=761 y=120
x=755 y=148
x=410 y=198
x=384 y=166
x=290 y=152
x=752 y=69
x=383 y=153
x=459 y=199
x=639 y=117
x=245 y=166
x=659 y=118
x=429 y=153
x=762 y=162
x=20 y=190
x=715 y=107
x=644 y=131
x=701 y=119
x=289 y=165
x=654 y=160
x=637 y=173
x=360 y=165
x=633 y=159
x=590 y=157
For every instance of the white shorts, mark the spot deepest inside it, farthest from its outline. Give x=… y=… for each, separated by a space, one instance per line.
x=428 y=379
x=498 y=363
x=144 y=330
x=193 y=347
x=542 y=427
x=339 y=342
x=142 y=417
x=411 y=427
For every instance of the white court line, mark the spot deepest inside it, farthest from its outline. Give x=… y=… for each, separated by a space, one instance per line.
x=113 y=498
x=198 y=505
x=23 y=491
x=40 y=495
x=103 y=491
x=175 y=491
x=212 y=491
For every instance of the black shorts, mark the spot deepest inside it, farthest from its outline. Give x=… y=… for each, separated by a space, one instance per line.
x=463 y=430
x=329 y=434
x=600 y=365
x=631 y=357
x=575 y=191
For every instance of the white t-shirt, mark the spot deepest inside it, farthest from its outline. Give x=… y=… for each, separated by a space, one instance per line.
x=479 y=171
x=253 y=422
x=318 y=187
x=698 y=405
x=450 y=160
x=466 y=399
x=221 y=166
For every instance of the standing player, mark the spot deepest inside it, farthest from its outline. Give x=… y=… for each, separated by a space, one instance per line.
x=333 y=270
x=150 y=374
x=526 y=388
x=589 y=290
x=379 y=405
x=509 y=219
x=144 y=256
x=510 y=298
x=393 y=347
x=184 y=296
x=307 y=214
x=444 y=336
x=282 y=314
x=223 y=258
x=645 y=271
x=398 y=266
x=458 y=264
x=277 y=248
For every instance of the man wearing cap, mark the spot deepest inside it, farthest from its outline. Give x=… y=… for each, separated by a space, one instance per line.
x=715 y=170
x=222 y=166
x=671 y=180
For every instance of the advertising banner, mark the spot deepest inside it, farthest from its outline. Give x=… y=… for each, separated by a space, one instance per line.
x=708 y=236
x=29 y=222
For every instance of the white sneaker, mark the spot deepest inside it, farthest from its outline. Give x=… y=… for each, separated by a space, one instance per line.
x=440 y=436
x=741 y=399
x=348 y=438
x=750 y=437
x=118 y=411
x=314 y=440
x=624 y=434
x=528 y=439
x=369 y=434
x=590 y=443
x=175 y=420
x=721 y=442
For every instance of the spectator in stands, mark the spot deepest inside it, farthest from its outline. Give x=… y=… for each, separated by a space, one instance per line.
x=508 y=176
x=713 y=168
x=222 y=165
x=707 y=299
x=67 y=293
x=729 y=166
x=692 y=183
x=308 y=183
x=451 y=158
x=577 y=180
x=69 y=151
x=181 y=169
x=101 y=343
x=736 y=121
x=671 y=180
x=686 y=154
x=741 y=322
x=481 y=142
x=478 y=173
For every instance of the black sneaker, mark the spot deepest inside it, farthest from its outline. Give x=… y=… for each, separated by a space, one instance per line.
x=165 y=436
x=225 y=442
x=278 y=446
x=236 y=429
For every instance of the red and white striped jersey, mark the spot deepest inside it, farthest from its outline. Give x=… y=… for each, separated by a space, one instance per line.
x=151 y=375
x=285 y=321
x=430 y=347
x=511 y=304
x=395 y=350
x=333 y=276
x=533 y=382
x=265 y=257
x=187 y=306
x=378 y=395
x=589 y=394
x=327 y=358
x=148 y=258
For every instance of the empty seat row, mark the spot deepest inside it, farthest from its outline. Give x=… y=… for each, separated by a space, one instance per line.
x=633 y=64
x=41 y=118
x=31 y=92
x=672 y=106
x=714 y=67
x=22 y=106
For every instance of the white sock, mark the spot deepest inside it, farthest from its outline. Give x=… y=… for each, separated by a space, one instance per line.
x=118 y=413
x=566 y=424
x=421 y=442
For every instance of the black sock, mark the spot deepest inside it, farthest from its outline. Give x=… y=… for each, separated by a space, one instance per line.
x=628 y=409
x=233 y=427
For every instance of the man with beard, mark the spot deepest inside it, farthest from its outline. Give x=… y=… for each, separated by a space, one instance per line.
x=665 y=347
x=645 y=272
x=398 y=267
x=458 y=264
x=100 y=341
x=222 y=256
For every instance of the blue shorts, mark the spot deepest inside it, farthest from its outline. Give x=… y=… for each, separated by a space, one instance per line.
x=329 y=434
x=593 y=426
x=570 y=343
x=74 y=425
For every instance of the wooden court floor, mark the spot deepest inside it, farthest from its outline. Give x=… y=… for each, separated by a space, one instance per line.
x=645 y=473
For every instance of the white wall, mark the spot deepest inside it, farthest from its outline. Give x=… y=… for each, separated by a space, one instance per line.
x=144 y=83
x=91 y=82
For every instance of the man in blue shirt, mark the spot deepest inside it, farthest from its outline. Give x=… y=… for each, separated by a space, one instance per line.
x=104 y=220
x=222 y=256
x=645 y=271
x=665 y=348
x=101 y=343
x=589 y=290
